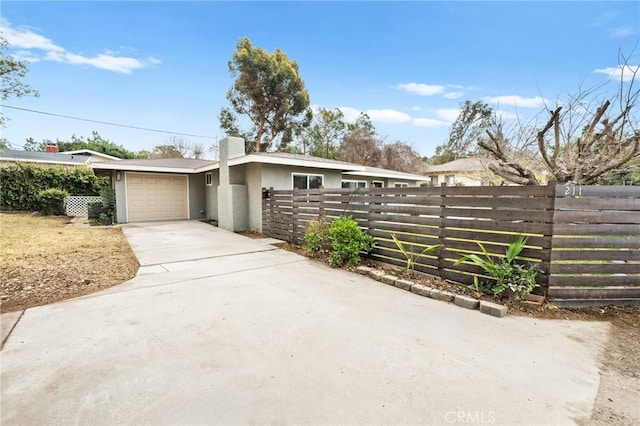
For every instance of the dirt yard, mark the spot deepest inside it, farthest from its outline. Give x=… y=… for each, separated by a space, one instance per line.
x=44 y=261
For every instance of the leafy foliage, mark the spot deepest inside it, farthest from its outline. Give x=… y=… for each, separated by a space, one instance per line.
x=12 y=71
x=507 y=273
x=21 y=183
x=474 y=118
x=95 y=142
x=322 y=138
x=347 y=241
x=342 y=240
x=269 y=91
x=316 y=238
x=51 y=201
x=410 y=255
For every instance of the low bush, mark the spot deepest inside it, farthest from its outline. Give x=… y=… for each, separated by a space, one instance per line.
x=316 y=238
x=342 y=240
x=347 y=242
x=51 y=201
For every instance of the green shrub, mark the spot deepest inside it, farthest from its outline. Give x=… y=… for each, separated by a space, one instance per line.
x=20 y=183
x=347 y=242
x=94 y=209
x=51 y=201
x=508 y=273
x=316 y=238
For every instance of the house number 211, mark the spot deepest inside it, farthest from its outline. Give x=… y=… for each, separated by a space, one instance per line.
x=572 y=191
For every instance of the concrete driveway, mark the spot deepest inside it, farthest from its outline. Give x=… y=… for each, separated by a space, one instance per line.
x=218 y=328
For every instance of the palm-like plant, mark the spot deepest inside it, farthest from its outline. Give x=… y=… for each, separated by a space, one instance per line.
x=498 y=268
x=411 y=256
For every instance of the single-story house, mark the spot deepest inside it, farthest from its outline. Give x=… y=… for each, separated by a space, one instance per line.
x=82 y=157
x=464 y=171
x=229 y=190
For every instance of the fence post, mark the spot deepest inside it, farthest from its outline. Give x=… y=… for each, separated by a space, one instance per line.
x=547 y=248
x=442 y=230
x=294 y=218
x=320 y=202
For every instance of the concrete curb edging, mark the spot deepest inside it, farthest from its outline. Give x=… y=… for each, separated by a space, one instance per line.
x=489 y=308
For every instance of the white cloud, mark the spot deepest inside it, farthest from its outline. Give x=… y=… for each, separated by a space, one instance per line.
x=621 y=32
x=620 y=73
x=448 y=114
x=421 y=89
x=25 y=38
x=505 y=115
x=388 y=116
x=25 y=55
x=350 y=114
x=429 y=122
x=453 y=95
x=518 y=101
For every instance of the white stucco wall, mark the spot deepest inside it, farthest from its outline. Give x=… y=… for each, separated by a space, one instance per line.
x=197 y=197
x=211 y=196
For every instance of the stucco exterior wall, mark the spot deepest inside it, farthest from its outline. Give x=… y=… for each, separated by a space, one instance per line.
x=253 y=175
x=211 y=196
x=281 y=177
x=120 y=189
x=197 y=197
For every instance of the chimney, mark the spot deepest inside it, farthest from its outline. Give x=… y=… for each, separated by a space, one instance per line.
x=53 y=148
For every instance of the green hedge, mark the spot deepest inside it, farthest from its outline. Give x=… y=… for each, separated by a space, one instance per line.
x=20 y=183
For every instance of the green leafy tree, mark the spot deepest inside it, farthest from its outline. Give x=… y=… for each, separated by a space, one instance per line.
x=472 y=122
x=95 y=143
x=12 y=71
x=322 y=138
x=269 y=91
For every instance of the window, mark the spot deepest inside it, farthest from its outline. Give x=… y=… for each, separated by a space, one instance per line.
x=450 y=179
x=401 y=185
x=377 y=184
x=208 y=179
x=354 y=184
x=433 y=180
x=301 y=181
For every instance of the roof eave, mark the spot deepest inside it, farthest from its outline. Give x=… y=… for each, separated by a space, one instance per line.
x=141 y=168
x=281 y=161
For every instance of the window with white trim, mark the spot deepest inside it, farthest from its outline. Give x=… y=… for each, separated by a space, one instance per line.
x=354 y=184
x=208 y=179
x=377 y=184
x=433 y=180
x=400 y=185
x=450 y=179
x=307 y=181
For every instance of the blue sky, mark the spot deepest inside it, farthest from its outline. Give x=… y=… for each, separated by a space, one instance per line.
x=163 y=65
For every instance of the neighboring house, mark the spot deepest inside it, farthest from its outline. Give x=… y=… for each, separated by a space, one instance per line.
x=229 y=191
x=8 y=156
x=464 y=171
x=81 y=157
x=93 y=155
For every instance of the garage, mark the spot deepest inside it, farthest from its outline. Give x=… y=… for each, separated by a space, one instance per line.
x=156 y=196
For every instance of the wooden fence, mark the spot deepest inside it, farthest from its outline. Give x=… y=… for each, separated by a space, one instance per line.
x=584 y=239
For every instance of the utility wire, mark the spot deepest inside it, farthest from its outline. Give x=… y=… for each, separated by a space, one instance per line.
x=109 y=124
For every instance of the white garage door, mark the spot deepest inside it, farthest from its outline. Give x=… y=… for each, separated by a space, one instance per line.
x=152 y=196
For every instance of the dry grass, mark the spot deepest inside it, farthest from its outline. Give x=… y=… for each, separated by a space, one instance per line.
x=43 y=261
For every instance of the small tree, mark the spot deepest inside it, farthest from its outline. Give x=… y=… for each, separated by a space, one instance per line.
x=269 y=91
